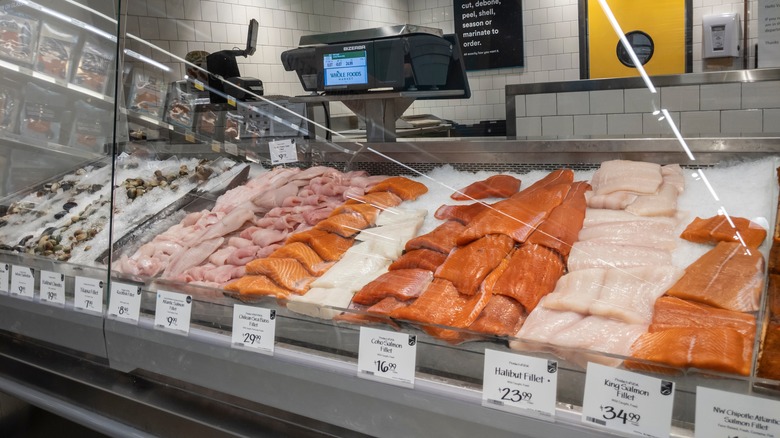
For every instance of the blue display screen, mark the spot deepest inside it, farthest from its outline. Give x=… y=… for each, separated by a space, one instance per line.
x=346 y=68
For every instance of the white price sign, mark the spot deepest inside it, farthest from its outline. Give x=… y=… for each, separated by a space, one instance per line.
x=520 y=384
x=628 y=402
x=5 y=276
x=173 y=311
x=125 y=301
x=52 y=287
x=254 y=328
x=88 y=295
x=22 y=282
x=721 y=414
x=283 y=151
x=231 y=148
x=388 y=357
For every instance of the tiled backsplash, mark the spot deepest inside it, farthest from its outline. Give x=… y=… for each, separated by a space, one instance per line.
x=731 y=109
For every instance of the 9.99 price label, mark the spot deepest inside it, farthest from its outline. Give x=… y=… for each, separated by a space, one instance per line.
x=388 y=357
x=173 y=311
x=628 y=402
x=22 y=282
x=520 y=384
x=283 y=151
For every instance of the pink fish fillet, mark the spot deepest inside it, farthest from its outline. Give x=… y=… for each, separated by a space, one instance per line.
x=192 y=257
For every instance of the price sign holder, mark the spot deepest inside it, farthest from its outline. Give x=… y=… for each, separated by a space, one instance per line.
x=52 y=287
x=172 y=312
x=627 y=402
x=216 y=147
x=22 y=282
x=88 y=295
x=5 y=277
x=388 y=357
x=254 y=329
x=231 y=148
x=283 y=151
x=125 y=302
x=725 y=414
x=520 y=384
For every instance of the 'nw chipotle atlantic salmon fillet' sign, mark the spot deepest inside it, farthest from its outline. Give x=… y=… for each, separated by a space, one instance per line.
x=725 y=414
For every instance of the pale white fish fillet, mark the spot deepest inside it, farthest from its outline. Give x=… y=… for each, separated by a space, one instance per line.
x=585 y=255
x=624 y=175
x=663 y=203
x=227 y=224
x=541 y=325
x=629 y=294
x=192 y=257
x=673 y=174
x=596 y=216
x=275 y=198
x=639 y=233
x=612 y=201
x=395 y=215
x=576 y=291
x=356 y=263
x=313 y=303
x=597 y=334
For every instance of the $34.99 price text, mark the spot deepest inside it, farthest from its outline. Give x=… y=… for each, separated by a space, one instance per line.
x=609 y=413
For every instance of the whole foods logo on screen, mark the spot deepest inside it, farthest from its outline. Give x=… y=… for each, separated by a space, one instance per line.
x=490 y=33
x=346 y=68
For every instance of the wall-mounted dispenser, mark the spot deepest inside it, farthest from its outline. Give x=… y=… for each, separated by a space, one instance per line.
x=721 y=35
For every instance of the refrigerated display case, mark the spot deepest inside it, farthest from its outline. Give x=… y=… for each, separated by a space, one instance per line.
x=120 y=306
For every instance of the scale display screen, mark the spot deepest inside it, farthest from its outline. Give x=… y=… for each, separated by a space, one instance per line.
x=345 y=68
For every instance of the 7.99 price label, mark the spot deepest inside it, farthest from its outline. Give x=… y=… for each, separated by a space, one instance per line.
x=388 y=357
x=254 y=328
x=520 y=384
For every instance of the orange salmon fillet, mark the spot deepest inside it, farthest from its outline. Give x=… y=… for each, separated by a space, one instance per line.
x=426 y=259
x=496 y=186
x=253 y=285
x=718 y=348
x=671 y=312
x=468 y=265
x=329 y=246
x=402 y=284
x=729 y=276
x=718 y=229
x=441 y=239
x=502 y=316
x=380 y=200
x=305 y=255
x=461 y=213
x=368 y=211
x=532 y=273
x=442 y=304
x=769 y=363
x=344 y=224
x=288 y=273
x=403 y=187
x=561 y=228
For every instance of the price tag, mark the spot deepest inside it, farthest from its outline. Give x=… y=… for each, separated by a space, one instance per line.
x=198 y=85
x=231 y=101
x=125 y=301
x=283 y=151
x=5 y=276
x=254 y=328
x=173 y=312
x=52 y=287
x=216 y=147
x=231 y=148
x=628 y=402
x=22 y=282
x=727 y=415
x=189 y=136
x=88 y=295
x=388 y=357
x=520 y=384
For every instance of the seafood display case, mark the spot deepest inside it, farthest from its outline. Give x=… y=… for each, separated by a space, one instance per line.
x=188 y=269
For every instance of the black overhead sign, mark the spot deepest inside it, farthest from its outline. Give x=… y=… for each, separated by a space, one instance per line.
x=490 y=33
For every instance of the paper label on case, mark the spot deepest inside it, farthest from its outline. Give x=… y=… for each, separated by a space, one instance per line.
x=722 y=414
x=254 y=328
x=52 y=287
x=231 y=148
x=520 y=384
x=283 y=151
x=5 y=276
x=125 y=302
x=172 y=312
x=88 y=295
x=627 y=402
x=22 y=282
x=388 y=357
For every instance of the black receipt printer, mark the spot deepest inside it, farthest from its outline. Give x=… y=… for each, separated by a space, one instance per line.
x=397 y=58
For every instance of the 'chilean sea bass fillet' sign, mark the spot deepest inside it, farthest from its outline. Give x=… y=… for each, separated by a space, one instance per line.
x=490 y=33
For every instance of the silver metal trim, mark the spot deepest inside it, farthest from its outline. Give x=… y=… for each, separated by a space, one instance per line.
x=366 y=34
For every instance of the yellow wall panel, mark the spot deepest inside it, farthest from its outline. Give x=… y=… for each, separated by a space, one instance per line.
x=662 y=20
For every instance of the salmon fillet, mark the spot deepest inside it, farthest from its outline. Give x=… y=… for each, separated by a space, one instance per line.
x=496 y=186
x=717 y=348
x=329 y=246
x=402 y=284
x=671 y=312
x=380 y=200
x=502 y=316
x=369 y=212
x=442 y=304
x=288 y=273
x=376 y=314
x=305 y=255
x=441 y=239
x=532 y=273
x=344 y=224
x=719 y=229
x=468 y=265
x=729 y=276
x=426 y=259
x=256 y=285
x=461 y=213
x=561 y=228
x=769 y=363
x=403 y=187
